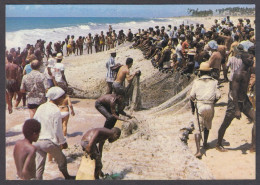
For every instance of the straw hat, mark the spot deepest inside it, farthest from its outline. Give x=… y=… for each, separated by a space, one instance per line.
x=59 y=56
x=238 y=49
x=204 y=66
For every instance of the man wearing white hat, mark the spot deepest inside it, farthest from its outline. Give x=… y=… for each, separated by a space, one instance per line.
x=49 y=70
x=51 y=139
x=205 y=94
x=59 y=77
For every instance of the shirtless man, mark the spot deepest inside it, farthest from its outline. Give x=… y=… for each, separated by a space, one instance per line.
x=108 y=41
x=49 y=50
x=58 y=47
x=80 y=42
x=215 y=59
x=97 y=136
x=114 y=38
x=24 y=152
x=13 y=80
x=89 y=42
x=238 y=100
x=67 y=43
x=71 y=45
x=96 y=43
x=124 y=73
x=110 y=106
x=222 y=49
x=102 y=41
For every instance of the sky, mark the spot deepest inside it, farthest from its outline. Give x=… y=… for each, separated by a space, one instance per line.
x=84 y=10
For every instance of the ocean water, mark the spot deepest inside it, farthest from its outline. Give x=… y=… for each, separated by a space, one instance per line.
x=27 y=30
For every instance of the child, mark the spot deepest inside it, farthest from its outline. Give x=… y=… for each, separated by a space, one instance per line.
x=24 y=152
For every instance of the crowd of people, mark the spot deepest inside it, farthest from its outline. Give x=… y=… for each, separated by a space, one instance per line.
x=189 y=49
x=193 y=49
x=43 y=87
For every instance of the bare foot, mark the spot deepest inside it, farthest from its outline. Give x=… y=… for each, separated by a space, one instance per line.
x=252 y=149
x=10 y=110
x=198 y=155
x=206 y=146
x=221 y=148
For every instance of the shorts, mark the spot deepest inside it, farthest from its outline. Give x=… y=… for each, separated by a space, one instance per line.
x=179 y=62
x=244 y=106
x=32 y=106
x=118 y=88
x=206 y=114
x=215 y=73
x=197 y=65
x=223 y=61
x=12 y=86
x=110 y=119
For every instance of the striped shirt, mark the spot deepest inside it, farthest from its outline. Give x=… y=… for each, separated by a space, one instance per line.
x=110 y=77
x=234 y=63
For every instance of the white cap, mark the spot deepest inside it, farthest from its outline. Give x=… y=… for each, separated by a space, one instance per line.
x=54 y=93
x=51 y=62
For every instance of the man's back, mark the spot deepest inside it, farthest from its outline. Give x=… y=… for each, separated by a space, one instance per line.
x=48 y=114
x=22 y=150
x=121 y=75
x=107 y=100
x=11 y=71
x=240 y=83
x=215 y=60
x=35 y=84
x=205 y=89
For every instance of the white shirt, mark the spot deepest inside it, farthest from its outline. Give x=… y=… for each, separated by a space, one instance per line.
x=48 y=114
x=246 y=44
x=47 y=74
x=58 y=68
x=178 y=51
x=205 y=89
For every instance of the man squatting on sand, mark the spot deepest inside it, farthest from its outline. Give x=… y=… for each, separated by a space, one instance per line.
x=98 y=136
x=212 y=46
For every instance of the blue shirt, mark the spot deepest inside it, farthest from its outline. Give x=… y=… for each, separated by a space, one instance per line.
x=28 y=68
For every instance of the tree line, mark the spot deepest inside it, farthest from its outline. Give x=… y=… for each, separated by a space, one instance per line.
x=223 y=11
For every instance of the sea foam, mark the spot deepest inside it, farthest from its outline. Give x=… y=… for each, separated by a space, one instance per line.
x=21 y=38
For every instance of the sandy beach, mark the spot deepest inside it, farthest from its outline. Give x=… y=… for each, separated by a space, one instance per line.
x=154 y=151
